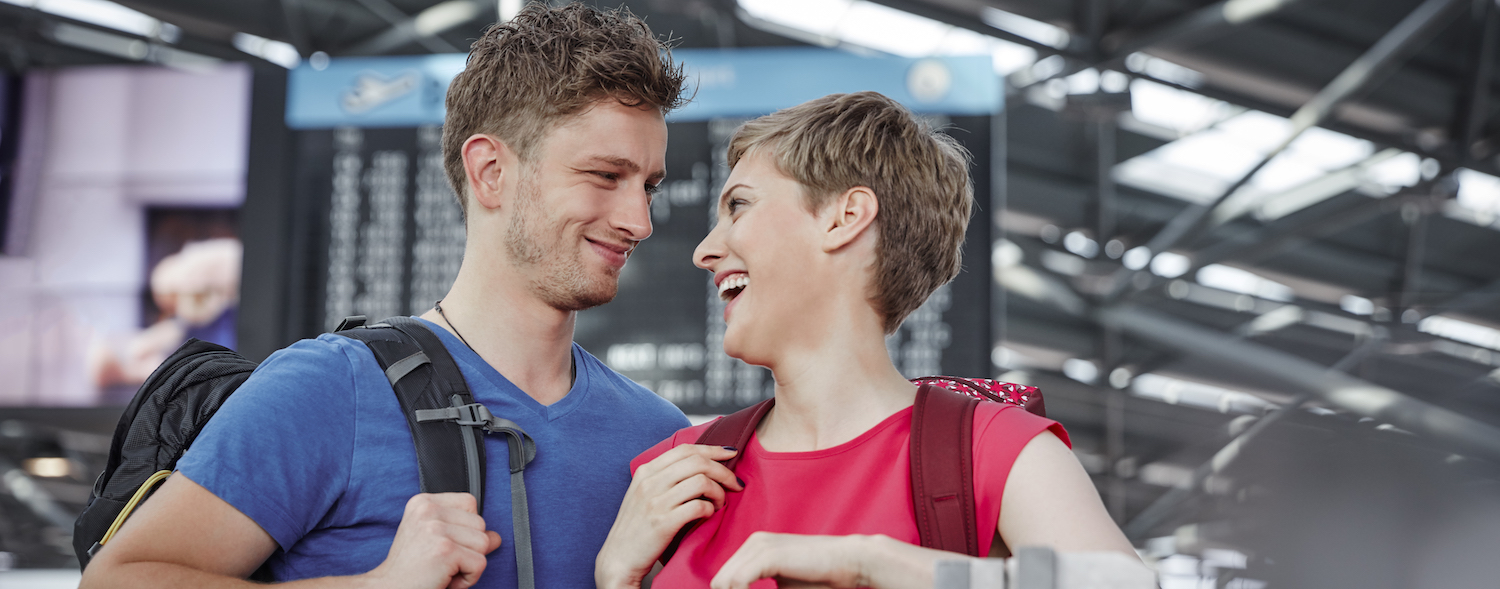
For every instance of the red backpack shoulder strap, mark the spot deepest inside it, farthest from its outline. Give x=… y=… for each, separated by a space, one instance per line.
x=733 y=430
x=942 y=470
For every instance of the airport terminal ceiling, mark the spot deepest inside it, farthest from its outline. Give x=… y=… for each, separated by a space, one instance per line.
x=1168 y=266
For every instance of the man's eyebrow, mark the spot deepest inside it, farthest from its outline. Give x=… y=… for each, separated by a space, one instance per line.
x=627 y=164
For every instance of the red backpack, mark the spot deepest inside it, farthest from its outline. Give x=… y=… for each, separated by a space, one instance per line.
x=942 y=461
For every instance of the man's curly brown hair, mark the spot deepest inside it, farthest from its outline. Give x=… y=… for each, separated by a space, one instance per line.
x=524 y=76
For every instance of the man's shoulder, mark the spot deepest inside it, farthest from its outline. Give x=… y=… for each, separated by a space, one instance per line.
x=641 y=400
x=327 y=360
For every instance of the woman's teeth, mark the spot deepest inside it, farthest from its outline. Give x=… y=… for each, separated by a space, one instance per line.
x=733 y=285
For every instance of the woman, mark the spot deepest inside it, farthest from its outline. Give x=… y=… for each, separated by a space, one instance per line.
x=848 y=213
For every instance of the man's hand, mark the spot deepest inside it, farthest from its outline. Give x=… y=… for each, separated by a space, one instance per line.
x=186 y=537
x=684 y=484
x=441 y=542
x=837 y=562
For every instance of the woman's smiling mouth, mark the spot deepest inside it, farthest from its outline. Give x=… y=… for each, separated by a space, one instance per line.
x=733 y=286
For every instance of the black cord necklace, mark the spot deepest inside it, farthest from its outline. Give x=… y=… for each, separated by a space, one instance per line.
x=438 y=306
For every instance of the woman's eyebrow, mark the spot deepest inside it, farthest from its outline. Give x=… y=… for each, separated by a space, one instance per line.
x=723 y=198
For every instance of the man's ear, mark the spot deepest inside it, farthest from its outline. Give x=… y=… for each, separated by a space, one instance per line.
x=849 y=216
x=488 y=163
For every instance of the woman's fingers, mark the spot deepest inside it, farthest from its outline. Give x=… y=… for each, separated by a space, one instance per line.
x=664 y=495
x=687 y=460
x=816 y=561
x=695 y=488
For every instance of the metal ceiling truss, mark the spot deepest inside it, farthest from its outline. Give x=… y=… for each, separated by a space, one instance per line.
x=1369 y=69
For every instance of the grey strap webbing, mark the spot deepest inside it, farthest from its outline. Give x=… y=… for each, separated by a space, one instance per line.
x=403 y=347
x=522 y=452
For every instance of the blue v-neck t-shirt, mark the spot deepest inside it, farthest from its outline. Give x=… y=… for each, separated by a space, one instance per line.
x=314 y=448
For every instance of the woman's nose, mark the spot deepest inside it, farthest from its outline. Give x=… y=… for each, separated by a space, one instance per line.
x=709 y=251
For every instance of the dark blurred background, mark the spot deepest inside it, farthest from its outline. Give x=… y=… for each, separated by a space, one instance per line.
x=1249 y=249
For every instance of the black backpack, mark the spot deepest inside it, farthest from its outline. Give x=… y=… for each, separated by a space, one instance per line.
x=179 y=398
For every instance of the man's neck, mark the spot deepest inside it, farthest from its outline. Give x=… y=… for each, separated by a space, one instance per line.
x=521 y=337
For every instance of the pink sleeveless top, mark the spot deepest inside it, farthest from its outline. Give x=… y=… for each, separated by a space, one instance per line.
x=858 y=487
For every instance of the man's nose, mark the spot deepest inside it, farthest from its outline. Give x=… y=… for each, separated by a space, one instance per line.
x=633 y=217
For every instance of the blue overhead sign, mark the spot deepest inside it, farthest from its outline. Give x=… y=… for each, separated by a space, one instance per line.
x=408 y=91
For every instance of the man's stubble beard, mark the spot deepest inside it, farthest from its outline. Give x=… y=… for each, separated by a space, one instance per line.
x=558 y=276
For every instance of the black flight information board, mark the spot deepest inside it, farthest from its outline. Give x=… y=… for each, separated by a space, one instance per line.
x=386 y=238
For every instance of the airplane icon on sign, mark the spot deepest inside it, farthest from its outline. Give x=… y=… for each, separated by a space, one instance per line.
x=373 y=89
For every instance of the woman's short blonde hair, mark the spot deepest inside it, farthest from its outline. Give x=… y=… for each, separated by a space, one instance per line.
x=920 y=178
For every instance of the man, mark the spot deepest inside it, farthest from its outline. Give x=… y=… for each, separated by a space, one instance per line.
x=554 y=140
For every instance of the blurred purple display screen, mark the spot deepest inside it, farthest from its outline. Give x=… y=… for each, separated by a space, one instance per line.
x=121 y=234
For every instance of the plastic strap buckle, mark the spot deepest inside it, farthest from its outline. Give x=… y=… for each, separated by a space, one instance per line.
x=472 y=414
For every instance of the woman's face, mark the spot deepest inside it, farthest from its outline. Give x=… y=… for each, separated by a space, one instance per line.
x=764 y=255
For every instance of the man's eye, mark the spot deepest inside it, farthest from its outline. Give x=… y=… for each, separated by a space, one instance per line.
x=611 y=176
x=653 y=188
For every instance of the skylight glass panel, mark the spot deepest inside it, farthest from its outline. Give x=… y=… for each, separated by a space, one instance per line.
x=1256 y=130
x=814 y=16
x=1185 y=392
x=1178 y=110
x=1010 y=57
x=1478 y=191
x=880 y=27
x=1150 y=172
x=1463 y=331
x=1162 y=69
x=102 y=13
x=1396 y=173
x=1284 y=173
x=894 y=31
x=1220 y=148
x=1329 y=150
x=1244 y=282
x=1044 y=33
x=1215 y=154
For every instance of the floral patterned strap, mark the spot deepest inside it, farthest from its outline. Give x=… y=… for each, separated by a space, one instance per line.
x=1025 y=396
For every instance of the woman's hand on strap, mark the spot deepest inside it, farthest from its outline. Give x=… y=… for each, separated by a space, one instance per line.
x=838 y=562
x=684 y=484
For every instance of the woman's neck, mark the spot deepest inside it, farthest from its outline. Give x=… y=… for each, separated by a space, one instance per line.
x=835 y=391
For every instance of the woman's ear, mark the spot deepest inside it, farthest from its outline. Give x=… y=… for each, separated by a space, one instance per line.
x=488 y=162
x=850 y=216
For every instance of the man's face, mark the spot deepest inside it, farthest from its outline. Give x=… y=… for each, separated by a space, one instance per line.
x=584 y=203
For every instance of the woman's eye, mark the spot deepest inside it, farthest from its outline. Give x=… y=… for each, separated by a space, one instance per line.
x=735 y=204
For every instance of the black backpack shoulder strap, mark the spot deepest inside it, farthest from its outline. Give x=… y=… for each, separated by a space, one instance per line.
x=435 y=398
x=942 y=470
x=732 y=430
x=425 y=377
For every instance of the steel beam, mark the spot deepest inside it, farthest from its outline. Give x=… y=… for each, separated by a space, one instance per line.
x=1409 y=282
x=1478 y=297
x=1193 y=25
x=1162 y=508
x=1276 y=237
x=1368 y=69
x=404 y=29
x=1473 y=107
x=1449 y=427
x=1111 y=50
x=291 y=12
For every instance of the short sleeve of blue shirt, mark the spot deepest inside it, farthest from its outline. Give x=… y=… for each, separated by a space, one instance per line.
x=279 y=450
x=315 y=449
